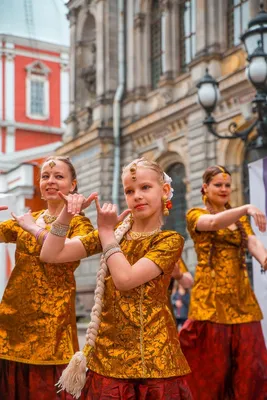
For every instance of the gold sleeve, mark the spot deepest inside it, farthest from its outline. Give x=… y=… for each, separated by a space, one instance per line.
x=166 y=249
x=192 y=217
x=246 y=225
x=182 y=266
x=91 y=243
x=80 y=226
x=9 y=231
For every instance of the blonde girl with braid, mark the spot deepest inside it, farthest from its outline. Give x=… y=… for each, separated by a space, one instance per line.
x=222 y=339
x=132 y=349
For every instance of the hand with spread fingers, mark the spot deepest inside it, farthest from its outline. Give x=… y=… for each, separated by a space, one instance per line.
x=25 y=221
x=77 y=202
x=259 y=217
x=2 y=208
x=107 y=215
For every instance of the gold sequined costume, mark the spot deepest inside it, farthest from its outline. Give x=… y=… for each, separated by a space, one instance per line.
x=37 y=312
x=137 y=336
x=226 y=297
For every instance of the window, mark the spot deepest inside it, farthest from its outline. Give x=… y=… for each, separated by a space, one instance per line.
x=176 y=220
x=37 y=97
x=188 y=32
x=238 y=18
x=37 y=91
x=155 y=28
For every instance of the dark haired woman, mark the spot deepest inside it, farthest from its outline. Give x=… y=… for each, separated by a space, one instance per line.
x=222 y=339
x=38 y=333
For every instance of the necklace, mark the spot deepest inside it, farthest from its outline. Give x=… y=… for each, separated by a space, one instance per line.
x=49 y=219
x=141 y=235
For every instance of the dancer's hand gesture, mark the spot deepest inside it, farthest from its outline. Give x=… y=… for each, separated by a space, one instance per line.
x=107 y=215
x=25 y=221
x=259 y=217
x=77 y=202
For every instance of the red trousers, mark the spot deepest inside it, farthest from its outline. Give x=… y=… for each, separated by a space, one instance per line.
x=99 y=387
x=227 y=361
x=19 y=381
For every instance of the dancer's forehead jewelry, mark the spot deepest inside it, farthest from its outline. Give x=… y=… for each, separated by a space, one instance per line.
x=51 y=164
x=133 y=171
x=224 y=174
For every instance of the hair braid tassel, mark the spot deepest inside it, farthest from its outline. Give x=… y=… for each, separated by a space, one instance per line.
x=73 y=377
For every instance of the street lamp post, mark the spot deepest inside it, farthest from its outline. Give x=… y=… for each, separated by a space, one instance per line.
x=255 y=41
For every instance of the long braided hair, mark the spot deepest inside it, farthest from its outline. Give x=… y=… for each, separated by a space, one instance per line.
x=208 y=175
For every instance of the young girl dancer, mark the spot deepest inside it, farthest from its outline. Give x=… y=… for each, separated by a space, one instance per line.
x=222 y=339
x=132 y=348
x=38 y=333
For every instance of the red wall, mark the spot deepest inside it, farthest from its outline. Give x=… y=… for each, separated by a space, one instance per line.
x=29 y=139
x=20 y=92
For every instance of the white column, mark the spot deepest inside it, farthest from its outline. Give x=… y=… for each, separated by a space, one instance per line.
x=100 y=48
x=64 y=88
x=130 y=46
x=10 y=97
x=166 y=37
x=72 y=64
x=9 y=83
x=140 y=59
x=10 y=139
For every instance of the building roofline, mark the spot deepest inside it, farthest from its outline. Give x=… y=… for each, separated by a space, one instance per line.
x=34 y=43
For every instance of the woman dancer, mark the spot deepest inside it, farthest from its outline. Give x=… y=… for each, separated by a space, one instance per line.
x=222 y=339
x=38 y=334
x=132 y=349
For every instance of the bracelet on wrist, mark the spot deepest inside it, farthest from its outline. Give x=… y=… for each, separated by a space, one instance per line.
x=59 y=229
x=110 y=246
x=112 y=251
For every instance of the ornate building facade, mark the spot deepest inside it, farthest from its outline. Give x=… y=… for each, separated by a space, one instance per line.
x=134 y=66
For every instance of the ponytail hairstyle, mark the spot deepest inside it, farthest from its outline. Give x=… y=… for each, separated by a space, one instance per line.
x=208 y=175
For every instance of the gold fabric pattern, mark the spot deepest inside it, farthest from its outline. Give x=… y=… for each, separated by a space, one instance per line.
x=37 y=312
x=225 y=296
x=137 y=336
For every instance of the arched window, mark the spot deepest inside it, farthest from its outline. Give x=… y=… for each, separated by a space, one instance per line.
x=238 y=18
x=176 y=220
x=86 y=64
x=156 y=47
x=187 y=32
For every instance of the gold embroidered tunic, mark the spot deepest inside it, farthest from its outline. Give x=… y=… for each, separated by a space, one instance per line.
x=227 y=296
x=137 y=337
x=37 y=312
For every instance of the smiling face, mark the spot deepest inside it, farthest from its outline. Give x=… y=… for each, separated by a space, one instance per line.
x=218 y=190
x=144 y=193
x=55 y=176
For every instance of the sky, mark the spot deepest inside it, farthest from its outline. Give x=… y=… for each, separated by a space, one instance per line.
x=35 y=19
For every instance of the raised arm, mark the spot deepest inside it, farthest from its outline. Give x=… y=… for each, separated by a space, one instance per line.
x=125 y=276
x=221 y=220
x=56 y=249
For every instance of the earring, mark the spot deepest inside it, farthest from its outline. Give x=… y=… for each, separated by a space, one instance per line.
x=204 y=198
x=165 y=208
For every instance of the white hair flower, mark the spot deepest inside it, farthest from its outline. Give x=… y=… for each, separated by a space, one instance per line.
x=168 y=179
